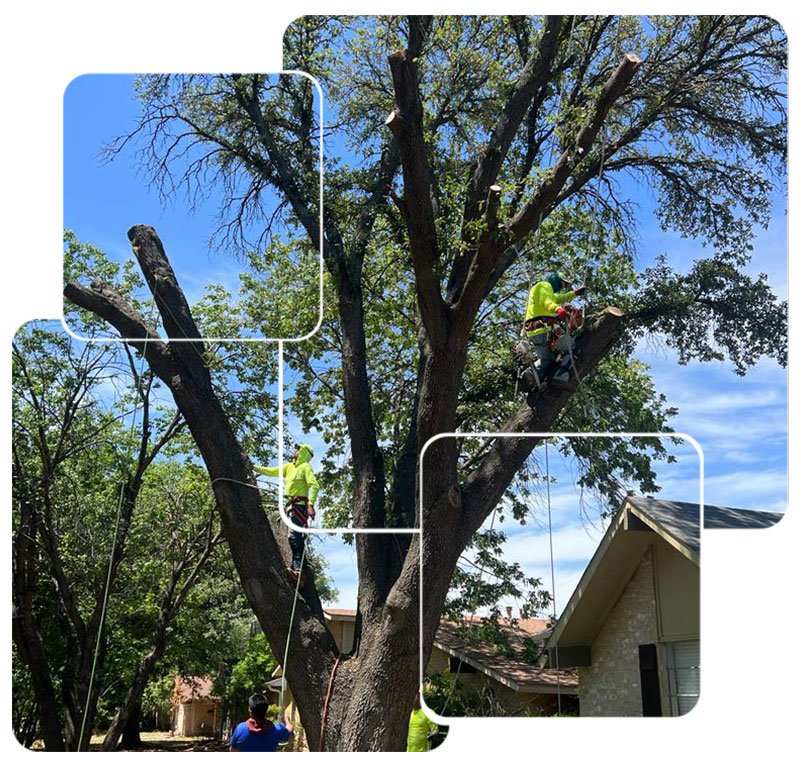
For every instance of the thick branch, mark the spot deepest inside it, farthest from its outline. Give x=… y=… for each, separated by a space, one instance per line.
x=482 y=272
x=104 y=301
x=615 y=86
x=175 y=313
x=254 y=549
x=534 y=76
x=405 y=122
x=485 y=486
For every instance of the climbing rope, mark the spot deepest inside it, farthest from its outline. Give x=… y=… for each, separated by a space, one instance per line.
x=471 y=619
x=291 y=626
x=324 y=723
x=244 y=484
x=552 y=565
x=114 y=539
x=282 y=703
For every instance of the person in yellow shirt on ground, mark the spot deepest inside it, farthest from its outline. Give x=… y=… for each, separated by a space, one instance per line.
x=543 y=314
x=420 y=728
x=301 y=489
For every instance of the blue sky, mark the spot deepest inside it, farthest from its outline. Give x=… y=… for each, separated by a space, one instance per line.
x=103 y=200
x=745 y=458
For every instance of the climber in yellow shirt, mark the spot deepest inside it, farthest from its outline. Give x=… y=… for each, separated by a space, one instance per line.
x=552 y=345
x=301 y=489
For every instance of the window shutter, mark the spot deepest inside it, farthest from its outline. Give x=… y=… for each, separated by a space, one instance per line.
x=686 y=662
x=648 y=676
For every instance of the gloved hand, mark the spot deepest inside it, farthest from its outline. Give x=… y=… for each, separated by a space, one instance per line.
x=580 y=290
x=561 y=313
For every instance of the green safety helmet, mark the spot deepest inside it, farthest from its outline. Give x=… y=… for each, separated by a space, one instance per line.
x=557 y=280
x=304 y=452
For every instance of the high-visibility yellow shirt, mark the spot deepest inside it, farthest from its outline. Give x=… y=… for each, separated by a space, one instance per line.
x=300 y=479
x=419 y=727
x=542 y=301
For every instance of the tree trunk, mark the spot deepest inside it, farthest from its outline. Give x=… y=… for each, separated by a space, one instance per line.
x=131 y=737
x=31 y=650
x=131 y=705
x=360 y=700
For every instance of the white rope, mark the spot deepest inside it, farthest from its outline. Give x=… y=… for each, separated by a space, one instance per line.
x=471 y=619
x=552 y=566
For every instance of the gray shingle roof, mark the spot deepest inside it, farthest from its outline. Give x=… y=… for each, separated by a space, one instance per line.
x=728 y=517
x=682 y=519
x=514 y=672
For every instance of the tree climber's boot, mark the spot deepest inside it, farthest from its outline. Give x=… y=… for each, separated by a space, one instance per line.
x=562 y=379
x=293 y=575
x=530 y=379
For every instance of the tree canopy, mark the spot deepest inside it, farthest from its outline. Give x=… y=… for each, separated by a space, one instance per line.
x=464 y=157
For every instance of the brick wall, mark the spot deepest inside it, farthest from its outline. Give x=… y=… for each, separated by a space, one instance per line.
x=611 y=686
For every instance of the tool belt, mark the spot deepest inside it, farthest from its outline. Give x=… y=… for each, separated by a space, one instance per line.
x=293 y=510
x=541 y=325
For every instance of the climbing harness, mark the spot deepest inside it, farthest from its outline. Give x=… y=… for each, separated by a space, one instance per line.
x=293 y=507
x=553 y=330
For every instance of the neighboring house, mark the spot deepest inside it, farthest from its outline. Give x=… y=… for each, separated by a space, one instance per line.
x=632 y=625
x=515 y=685
x=195 y=712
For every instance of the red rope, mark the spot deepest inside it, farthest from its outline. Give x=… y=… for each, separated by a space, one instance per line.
x=325 y=704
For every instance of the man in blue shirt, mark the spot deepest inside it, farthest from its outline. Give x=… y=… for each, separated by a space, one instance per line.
x=258 y=733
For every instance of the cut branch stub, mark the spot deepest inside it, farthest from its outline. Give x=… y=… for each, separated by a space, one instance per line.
x=175 y=312
x=492 y=202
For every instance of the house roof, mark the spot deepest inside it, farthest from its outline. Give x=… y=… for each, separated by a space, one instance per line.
x=679 y=520
x=193 y=688
x=728 y=517
x=339 y=614
x=515 y=673
x=638 y=523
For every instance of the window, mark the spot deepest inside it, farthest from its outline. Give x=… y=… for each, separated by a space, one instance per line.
x=683 y=675
x=459 y=666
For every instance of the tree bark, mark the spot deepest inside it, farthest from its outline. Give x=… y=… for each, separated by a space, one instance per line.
x=31 y=650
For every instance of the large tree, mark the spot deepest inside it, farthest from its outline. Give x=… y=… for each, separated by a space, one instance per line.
x=77 y=473
x=456 y=146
